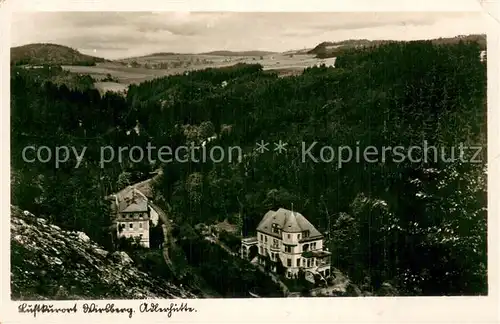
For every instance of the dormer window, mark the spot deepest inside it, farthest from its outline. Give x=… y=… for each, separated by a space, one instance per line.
x=276 y=229
x=305 y=234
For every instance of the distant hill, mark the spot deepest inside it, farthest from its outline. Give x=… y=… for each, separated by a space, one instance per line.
x=330 y=49
x=242 y=53
x=481 y=39
x=214 y=53
x=150 y=55
x=38 y=54
x=297 y=52
x=161 y=54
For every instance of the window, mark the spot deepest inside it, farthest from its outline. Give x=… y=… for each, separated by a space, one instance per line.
x=298 y=262
x=261 y=237
x=276 y=229
x=131 y=225
x=288 y=249
x=303 y=262
x=298 y=237
x=289 y=262
x=313 y=246
x=140 y=225
x=288 y=236
x=265 y=238
x=309 y=263
x=306 y=234
x=305 y=247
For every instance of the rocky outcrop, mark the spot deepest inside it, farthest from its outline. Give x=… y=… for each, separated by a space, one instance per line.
x=50 y=263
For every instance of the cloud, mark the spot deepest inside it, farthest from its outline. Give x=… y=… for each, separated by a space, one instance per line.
x=120 y=34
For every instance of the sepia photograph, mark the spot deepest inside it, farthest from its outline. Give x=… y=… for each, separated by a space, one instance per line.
x=196 y=155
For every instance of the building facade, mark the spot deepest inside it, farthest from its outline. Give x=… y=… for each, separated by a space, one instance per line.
x=289 y=238
x=133 y=221
x=129 y=208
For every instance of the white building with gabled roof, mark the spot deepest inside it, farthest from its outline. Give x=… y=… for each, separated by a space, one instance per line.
x=133 y=218
x=288 y=237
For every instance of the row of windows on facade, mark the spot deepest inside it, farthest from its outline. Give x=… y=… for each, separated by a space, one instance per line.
x=130 y=226
x=277 y=230
x=305 y=262
x=288 y=248
x=145 y=215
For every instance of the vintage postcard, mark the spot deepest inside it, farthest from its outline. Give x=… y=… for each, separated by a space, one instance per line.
x=238 y=166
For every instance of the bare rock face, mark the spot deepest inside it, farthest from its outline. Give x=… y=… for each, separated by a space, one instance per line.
x=50 y=263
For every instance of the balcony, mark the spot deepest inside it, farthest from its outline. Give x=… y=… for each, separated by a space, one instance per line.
x=319 y=260
x=322 y=262
x=275 y=247
x=249 y=240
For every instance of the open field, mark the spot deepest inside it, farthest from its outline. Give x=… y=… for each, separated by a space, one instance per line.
x=104 y=87
x=136 y=70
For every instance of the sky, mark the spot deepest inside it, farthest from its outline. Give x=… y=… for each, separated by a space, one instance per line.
x=115 y=35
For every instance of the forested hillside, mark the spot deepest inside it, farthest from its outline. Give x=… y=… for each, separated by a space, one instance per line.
x=57 y=76
x=39 y=54
x=332 y=49
x=420 y=226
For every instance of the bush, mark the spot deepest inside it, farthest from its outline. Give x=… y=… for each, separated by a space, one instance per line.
x=232 y=241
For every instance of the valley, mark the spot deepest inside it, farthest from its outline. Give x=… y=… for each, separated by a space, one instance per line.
x=381 y=228
x=137 y=70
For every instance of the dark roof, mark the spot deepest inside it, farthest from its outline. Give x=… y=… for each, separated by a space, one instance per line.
x=252 y=239
x=316 y=254
x=307 y=254
x=288 y=221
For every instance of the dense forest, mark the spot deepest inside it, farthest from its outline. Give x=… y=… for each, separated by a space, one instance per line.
x=420 y=226
x=333 y=49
